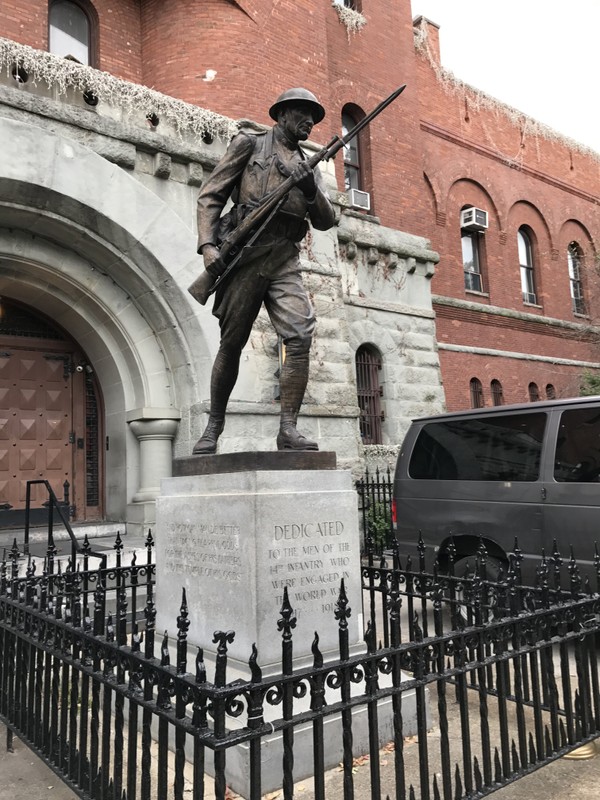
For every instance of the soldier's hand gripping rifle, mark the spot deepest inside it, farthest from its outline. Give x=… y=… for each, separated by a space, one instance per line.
x=253 y=225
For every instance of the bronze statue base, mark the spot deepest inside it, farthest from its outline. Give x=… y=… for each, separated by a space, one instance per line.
x=261 y=460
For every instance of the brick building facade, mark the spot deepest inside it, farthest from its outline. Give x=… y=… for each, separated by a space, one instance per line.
x=97 y=225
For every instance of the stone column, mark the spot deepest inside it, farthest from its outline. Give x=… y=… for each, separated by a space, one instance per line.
x=155 y=433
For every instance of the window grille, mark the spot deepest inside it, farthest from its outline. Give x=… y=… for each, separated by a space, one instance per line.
x=370 y=391
x=92 y=444
x=534 y=392
x=497 y=393
x=476 y=393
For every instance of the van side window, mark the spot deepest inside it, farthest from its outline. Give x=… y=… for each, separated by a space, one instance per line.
x=495 y=448
x=577 y=458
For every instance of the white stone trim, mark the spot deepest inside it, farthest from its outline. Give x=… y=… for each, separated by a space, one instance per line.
x=485 y=351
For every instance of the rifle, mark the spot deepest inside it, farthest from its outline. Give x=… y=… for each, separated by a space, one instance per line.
x=252 y=226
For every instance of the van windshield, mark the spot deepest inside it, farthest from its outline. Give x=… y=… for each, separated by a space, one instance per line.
x=503 y=448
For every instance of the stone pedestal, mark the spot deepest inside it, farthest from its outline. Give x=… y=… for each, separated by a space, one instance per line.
x=234 y=536
x=234 y=540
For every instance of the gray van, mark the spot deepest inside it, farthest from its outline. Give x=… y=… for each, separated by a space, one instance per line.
x=530 y=471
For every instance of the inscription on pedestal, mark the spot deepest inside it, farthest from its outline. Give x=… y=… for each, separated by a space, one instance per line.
x=234 y=543
x=310 y=558
x=205 y=551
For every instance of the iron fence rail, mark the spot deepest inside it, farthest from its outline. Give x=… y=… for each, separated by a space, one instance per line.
x=375 y=496
x=502 y=679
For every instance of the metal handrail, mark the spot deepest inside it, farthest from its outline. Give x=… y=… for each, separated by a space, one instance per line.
x=54 y=504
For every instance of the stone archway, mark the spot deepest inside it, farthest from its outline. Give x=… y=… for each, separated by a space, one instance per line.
x=95 y=251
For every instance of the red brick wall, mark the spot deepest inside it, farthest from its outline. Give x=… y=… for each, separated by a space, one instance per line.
x=514 y=375
x=484 y=157
x=432 y=152
x=119 y=42
x=258 y=49
x=255 y=61
x=25 y=22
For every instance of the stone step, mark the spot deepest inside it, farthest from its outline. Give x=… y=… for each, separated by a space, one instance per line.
x=101 y=538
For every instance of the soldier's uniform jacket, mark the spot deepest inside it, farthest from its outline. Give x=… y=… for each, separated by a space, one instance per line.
x=254 y=165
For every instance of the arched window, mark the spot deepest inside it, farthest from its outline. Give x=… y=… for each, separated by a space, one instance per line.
x=476 y=390
x=526 y=266
x=574 y=261
x=71 y=31
x=353 y=177
x=497 y=393
x=550 y=392
x=353 y=4
x=534 y=392
x=472 y=252
x=369 y=391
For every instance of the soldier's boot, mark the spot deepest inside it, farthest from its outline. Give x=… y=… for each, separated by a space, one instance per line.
x=292 y=385
x=222 y=380
x=290 y=438
x=207 y=443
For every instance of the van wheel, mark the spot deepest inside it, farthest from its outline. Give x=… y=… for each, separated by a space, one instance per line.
x=464 y=569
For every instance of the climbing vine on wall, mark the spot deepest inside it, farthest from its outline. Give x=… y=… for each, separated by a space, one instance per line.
x=37 y=66
x=352 y=20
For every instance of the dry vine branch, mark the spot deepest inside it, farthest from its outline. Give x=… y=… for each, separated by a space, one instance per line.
x=64 y=74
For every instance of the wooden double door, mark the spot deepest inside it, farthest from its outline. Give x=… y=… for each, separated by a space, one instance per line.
x=49 y=428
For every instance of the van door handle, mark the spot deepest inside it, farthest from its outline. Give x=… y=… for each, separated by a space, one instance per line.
x=544 y=493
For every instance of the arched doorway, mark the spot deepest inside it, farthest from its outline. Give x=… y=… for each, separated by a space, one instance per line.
x=50 y=419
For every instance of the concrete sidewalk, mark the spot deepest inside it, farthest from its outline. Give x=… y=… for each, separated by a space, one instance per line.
x=24 y=776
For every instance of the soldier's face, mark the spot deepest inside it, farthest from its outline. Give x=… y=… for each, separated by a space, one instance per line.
x=297 y=121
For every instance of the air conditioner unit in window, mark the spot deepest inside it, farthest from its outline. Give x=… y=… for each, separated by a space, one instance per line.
x=473 y=219
x=359 y=199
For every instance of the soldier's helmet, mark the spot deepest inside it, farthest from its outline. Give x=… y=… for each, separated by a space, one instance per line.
x=301 y=96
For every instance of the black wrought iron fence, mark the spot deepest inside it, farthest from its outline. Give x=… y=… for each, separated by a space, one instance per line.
x=492 y=680
x=375 y=496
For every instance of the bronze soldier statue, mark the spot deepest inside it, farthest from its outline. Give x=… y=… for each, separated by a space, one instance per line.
x=254 y=165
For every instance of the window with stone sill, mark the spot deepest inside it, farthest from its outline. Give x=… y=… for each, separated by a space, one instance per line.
x=72 y=30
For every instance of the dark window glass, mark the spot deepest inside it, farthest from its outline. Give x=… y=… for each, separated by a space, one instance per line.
x=526 y=266
x=69 y=31
x=577 y=456
x=550 y=392
x=497 y=393
x=574 y=260
x=505 y=448
x=369 y=390
x=471 y=261
x=352 y=173
x=476 y=391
